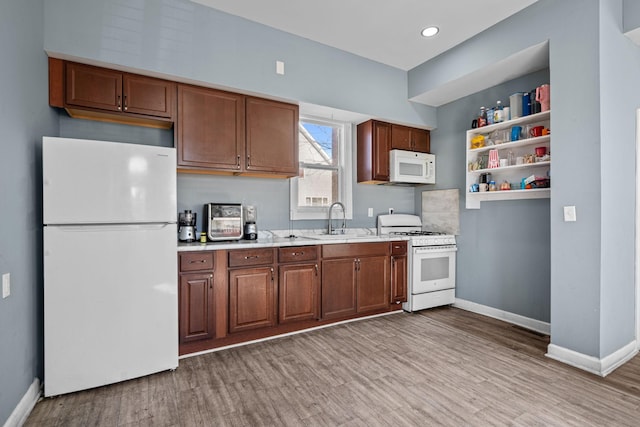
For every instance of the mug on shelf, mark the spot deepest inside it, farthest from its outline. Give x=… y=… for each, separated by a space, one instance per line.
x=541 y=151
x=536 y=131
x=515 y=133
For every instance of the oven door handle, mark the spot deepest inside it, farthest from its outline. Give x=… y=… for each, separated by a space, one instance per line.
x=435 y=249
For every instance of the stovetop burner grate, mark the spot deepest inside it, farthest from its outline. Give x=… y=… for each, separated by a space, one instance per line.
x=417 y=233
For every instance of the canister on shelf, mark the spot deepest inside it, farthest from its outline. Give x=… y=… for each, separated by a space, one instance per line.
x=515 y=102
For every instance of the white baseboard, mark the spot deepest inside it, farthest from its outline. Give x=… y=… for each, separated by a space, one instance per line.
x=601 y=367
x=25 y=406
x=516 y=319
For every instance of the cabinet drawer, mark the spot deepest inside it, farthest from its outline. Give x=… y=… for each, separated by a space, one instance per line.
x=341 y=250
x=297 y=253
x=399 y=248
x=196 y=261
x=244 y=257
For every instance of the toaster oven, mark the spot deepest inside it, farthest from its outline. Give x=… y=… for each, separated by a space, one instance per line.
x=223 y=221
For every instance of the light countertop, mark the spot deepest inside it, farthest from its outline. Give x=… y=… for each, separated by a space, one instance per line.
x=280 y=238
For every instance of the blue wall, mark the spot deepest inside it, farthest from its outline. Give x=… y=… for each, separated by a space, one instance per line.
x=619 y=99
x=503 y=258
x=25 y=117
x=593 y=101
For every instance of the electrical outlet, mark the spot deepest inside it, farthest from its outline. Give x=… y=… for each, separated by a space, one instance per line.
x=6 y=285
x=370 y=212
x=390 y=211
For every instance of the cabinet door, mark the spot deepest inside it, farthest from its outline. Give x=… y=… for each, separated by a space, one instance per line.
x=401 y=138
x=373 y=283
x=148 y=96
x=398 y=279
x=381 y=147
x=196 y=321
x=210 y=128
x=272 y=137
x=420 y=140
x=338 y=288
x=252 y=299
x=93 y=87
x=298 y=292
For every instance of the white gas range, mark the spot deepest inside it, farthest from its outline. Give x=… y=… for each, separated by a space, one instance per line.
x=431 y=261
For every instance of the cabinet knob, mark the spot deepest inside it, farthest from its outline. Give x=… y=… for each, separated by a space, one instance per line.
x=125 y=103
x=119 y=104
x=238 y=162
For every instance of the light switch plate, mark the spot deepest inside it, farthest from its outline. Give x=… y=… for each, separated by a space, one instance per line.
x=569 y=213
x=6 y=285
x=370 y=212
x=280 y=68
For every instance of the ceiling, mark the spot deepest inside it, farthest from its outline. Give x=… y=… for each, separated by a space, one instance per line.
x=381 y=30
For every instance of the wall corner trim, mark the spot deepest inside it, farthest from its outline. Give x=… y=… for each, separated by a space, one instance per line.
x=25 y=406
x=601 y=367
x=516 y=319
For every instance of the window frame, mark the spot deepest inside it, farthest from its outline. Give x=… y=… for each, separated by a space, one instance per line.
x=344 y=168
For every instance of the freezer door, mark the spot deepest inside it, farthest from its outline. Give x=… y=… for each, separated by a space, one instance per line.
x=110 y=304
x=98 y=182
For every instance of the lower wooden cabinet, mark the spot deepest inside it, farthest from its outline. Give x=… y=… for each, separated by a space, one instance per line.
x=355 y=279
x=298 y=292
x=398 y=272
x=338 y=288
x=233 y=296
x=197 y=321
x=372 y=283
x=252 y=299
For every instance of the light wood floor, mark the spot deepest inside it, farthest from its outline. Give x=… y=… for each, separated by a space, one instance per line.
x=439 y=367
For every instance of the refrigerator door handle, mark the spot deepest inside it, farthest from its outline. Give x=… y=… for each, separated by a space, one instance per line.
x=81 y=228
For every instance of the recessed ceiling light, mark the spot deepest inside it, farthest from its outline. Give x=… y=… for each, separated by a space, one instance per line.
x=430 y=31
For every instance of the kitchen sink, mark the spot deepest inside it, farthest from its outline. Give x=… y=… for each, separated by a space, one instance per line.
x=346 y=236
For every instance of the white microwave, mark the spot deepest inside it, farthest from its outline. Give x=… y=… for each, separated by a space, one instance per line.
x=412 y=167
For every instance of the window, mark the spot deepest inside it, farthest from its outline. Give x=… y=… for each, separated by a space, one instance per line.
x=325 y=178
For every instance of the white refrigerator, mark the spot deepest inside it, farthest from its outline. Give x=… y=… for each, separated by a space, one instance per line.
x=110 y=269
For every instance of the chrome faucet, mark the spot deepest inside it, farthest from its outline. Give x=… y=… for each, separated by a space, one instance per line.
x=330 y=229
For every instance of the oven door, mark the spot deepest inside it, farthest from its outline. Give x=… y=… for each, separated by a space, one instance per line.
x=434 y=268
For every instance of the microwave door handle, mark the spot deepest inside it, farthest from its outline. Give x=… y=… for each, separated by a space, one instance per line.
x=429 y=169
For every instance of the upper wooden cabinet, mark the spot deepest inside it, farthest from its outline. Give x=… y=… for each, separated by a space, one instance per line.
x=220 y=131
x=376 y=139
x=411 y=139
x=272 y=137
x=374 y=143
x=99 y=93
x=210 y=128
